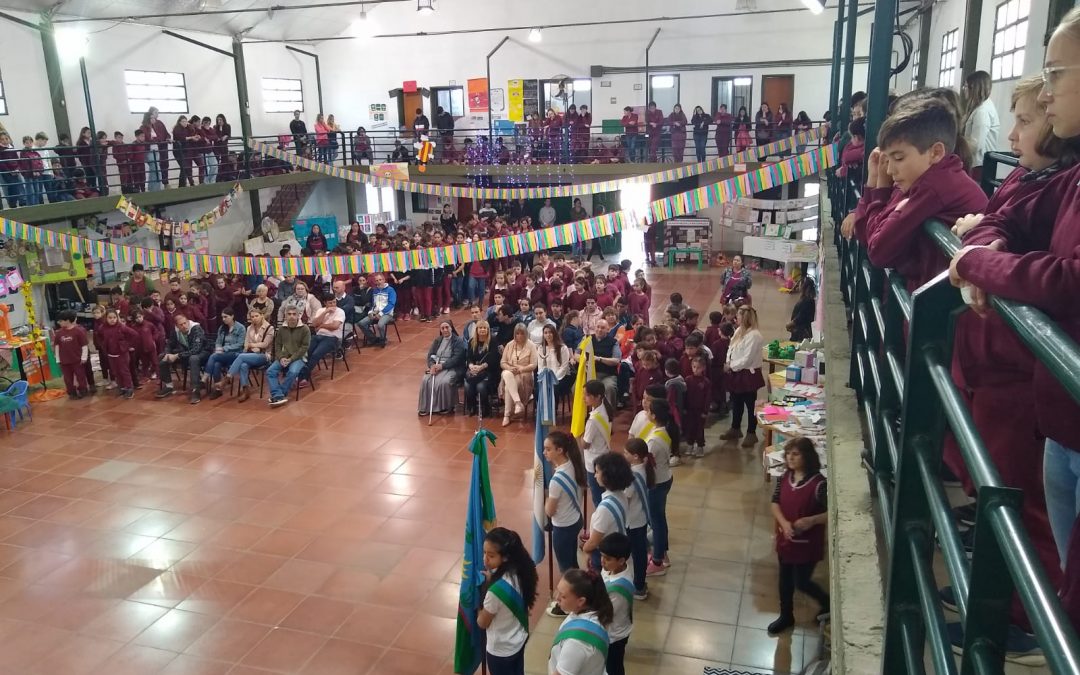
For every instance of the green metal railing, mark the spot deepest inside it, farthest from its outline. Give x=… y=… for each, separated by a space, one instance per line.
x=901 y=350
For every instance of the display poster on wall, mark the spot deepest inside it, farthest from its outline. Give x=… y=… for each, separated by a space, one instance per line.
x=498 y=100
x=367 y=221
x=392 y=170
x=478 y=94
x=377 y=115
x=515 y=94
x=327 y=225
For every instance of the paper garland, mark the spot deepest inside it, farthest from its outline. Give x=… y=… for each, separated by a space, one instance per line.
x=512 y=245
x=141 y=218
x=31 y=318
x=541 y=192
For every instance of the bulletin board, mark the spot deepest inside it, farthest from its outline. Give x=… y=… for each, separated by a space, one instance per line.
x=328 y=225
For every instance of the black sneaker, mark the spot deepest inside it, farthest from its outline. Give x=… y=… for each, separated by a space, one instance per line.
x=275 y=402
x=214 y=394
x=965 y=515
x=555 y=611
x=947 y=596
x=164 y=392
x=784 y=622
x=195 y=398
x=127 y=393
x=1020 y=647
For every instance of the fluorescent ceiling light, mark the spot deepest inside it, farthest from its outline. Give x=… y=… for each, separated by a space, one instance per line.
x=582 y=85
x=814 y=6
x=425 y=7
x=72 y=44
x=663 y=81
x=743 y=81
x=361 y=27
x=536 y=35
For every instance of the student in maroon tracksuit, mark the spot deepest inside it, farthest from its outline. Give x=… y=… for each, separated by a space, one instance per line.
x=639 y=302
x=698 y=402
x=153 y=315
x=99 y=346
x=723 y=120
x=654 y=129
x=121 y=153
x=553 y=136
x=581 y=131
x=118 y=341
x=631 y=135
x=719 y=348
x=137 y=162
x=196 y=147
x=915 y=157
x=798 y=507
x=72 y=352
x=677 y=121
x=183 y=150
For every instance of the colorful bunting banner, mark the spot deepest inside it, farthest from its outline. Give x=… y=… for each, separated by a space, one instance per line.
x=141 y=218
x=752 y=154
x=560 y=235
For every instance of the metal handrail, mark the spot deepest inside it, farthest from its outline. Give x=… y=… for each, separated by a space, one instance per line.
x=901 y=353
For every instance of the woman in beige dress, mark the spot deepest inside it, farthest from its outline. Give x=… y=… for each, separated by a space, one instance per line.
x=519 y=362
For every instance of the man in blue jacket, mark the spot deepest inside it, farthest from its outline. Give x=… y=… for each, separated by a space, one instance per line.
x=382 y=312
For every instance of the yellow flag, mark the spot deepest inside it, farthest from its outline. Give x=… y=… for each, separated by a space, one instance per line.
x=586 y=371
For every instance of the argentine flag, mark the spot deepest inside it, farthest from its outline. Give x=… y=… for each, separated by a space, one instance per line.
x=545 y=418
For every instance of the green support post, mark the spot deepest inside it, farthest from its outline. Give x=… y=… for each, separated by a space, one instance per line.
x=350 y=200
x=924 y=47
x=55 y=78
x=877 y=88
x=245 y=127
x=849 y=64
x=838 y=44
x=970 y=55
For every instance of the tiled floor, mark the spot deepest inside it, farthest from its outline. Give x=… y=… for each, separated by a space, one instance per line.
x=325 y=537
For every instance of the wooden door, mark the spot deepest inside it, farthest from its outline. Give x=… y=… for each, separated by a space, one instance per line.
x=411 y=101
x=776 y=89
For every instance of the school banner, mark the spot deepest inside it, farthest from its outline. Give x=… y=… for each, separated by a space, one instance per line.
x=478 y=95
x=681 y=204
x=383 y=177
x=515 y=94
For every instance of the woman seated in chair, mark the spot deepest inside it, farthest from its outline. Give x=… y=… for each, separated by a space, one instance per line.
x=555 y=356
x=519 y=361
x=258 y=350
x=481 y=369
x=446 y=367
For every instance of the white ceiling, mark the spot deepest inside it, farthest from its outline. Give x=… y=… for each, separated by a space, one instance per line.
x=394 y=17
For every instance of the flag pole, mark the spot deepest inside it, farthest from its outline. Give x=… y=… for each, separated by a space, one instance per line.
x=551 y=559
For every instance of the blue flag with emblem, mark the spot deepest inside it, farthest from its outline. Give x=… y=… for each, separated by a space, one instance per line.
x=479 y=518
x=545 y=418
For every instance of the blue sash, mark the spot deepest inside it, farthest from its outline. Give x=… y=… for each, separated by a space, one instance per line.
x=624 y=587
x=641 y=490
x=569 y=487
x=617 y=511
x=583 y=630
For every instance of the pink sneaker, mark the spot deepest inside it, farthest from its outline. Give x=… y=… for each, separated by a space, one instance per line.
x=654 y=570
x=667 y=561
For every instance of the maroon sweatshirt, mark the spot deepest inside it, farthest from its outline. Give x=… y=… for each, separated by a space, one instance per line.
x=118 y=338
x=1040 y=267
x=69 y=343
x=894 y=238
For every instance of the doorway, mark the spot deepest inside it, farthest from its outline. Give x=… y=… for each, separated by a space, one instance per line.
x=411 y=100
x=777 y=89
x=734 y=92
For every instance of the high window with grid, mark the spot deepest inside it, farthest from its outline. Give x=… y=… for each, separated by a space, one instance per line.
x=151 y=89
x=282 y=95
x=1010 y=36
x=950 y=58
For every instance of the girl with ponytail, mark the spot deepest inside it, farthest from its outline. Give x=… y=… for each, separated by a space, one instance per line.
x=581 y=643
x=661 y=441
x=510 y=594
x=596 y=439
x=638 y=517
x=563 y=504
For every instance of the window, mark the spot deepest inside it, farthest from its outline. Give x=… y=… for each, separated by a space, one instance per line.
x=665 y=92
x=915 y=69
x=282 y=95
x=734 y=92
x=1010 y=36
x=950 y=52
x=451 y=99
x=150 y=89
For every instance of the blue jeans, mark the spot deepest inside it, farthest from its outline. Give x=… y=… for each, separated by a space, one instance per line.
x=211 y=167
x=12 y=184
x=564 y=545
x=507 y=665
x=154 y=184
x=658 y=509
x=477 y=289
x=246 y=362
x=1061 y=480
x=459 y=286
x=34 y=190
x=321 y=345
x=639 y=552
x=383 y=322
x=280 y=389
x=631 y=143
x=219 y=363
x=700 y=143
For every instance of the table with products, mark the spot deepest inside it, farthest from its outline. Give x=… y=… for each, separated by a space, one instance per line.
x=793 y=409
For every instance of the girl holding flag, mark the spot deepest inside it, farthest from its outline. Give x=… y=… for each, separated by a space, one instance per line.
x=596 y=439
x=563 y=503
x=511 y=591
x=661 y=441
x=582 y=642
x=637 y=513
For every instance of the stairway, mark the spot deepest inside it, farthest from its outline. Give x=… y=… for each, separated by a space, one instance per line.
x=286 y=204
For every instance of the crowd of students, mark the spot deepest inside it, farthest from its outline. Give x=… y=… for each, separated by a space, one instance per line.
x=1021 y=245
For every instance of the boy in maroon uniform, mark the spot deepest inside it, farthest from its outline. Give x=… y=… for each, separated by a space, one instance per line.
x=121 y=155
x=719 y=349
x=137 y=162
x=630 y=133
x=72 y=352
x=654 y=129
x=698 y=400
x=915 y=157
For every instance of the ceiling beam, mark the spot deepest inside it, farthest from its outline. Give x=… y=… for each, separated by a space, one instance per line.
x=246 y=10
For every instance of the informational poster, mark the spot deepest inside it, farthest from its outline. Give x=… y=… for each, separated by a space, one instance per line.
x=498 y=100
x=53 y=265
x=515 y=94
x=478 y=94
x=377 y=115
x=327 y=225
x=392 y=170
x=367 y=221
